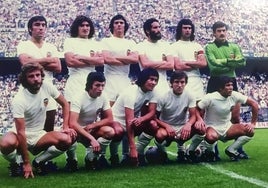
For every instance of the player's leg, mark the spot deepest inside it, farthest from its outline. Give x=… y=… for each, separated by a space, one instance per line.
x=50 y=145
x=117 y=138
x=8 y=147
x=241 y=136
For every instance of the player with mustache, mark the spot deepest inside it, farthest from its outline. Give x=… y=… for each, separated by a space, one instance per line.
x=223 y=58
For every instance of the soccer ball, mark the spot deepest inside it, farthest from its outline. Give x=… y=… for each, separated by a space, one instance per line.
x=154 y=156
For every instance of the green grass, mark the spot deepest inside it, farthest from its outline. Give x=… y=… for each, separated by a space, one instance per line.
x=173 y=175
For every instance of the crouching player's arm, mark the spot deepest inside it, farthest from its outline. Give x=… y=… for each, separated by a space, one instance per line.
x=82 y=131
x=255 y=109
x=65 y=112
x=20 y=127
x=200 y=124
x=130 y=128
x=170 y=131
x=187 y=127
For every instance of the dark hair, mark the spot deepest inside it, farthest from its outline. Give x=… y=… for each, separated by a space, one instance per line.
x=145 y=74
x=179 y=29
x=92 y=77
x=178 y=75
x=118 y=17
x=29 y=67
x=148 y=25
x=223 y=80
x=34 y=19
x=77 y=22
x=218 y=24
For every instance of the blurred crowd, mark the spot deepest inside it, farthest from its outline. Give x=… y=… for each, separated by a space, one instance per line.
x=253 y=86
x=247 y=19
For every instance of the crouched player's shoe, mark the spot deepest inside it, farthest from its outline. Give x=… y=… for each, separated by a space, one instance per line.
x=43 y=168
x=242 y=154
x=71 y=165
x=141 y=160
x=209 y=156
x=181 y=157
x=234 y=156
x=15 y=169
x=102 y=162
x=125 y=160
x=91 y=165
x=192 y=157
x=114 y=159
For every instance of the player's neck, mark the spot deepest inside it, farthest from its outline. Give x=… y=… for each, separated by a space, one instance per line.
x=37 y=42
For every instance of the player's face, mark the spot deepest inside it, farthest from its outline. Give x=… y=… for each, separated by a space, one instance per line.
x=186 y=31
x=150 y=84
x=178 y=86
x=119 y=28
x=220 y=34
x=34 y=80
x=155 y=32
x=38 y=29
x=96 y=89
x=83 y=30
x=227 y=90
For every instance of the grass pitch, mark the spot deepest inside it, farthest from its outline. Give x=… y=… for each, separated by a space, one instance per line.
x=245 y=173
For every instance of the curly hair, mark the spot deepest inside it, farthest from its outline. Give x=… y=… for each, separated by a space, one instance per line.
x=179 y=29
x=27 y=68
x=77 y=22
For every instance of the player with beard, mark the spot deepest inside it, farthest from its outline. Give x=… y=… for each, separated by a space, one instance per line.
x=155 y=53
x=29 y=112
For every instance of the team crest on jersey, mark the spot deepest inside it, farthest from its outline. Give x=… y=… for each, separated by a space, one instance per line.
x=49 y=54
x=45 y=102
x=99 y=114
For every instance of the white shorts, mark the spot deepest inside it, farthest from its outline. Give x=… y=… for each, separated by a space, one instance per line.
x=221 y=130
x=114 y=85
x=177 y=130
x=31 y=137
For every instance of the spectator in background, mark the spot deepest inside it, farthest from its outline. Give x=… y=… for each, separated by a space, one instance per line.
x=223 y=59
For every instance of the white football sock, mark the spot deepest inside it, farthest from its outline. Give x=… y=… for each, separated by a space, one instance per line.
x=70 y=153
x=48 y=154
x=143 y=141
x=196 y=140
x=104 y=143
x=240 y=141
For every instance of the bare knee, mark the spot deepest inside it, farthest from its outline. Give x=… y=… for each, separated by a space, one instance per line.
x=107 y=132
x=161 y=135
x=118 y=131
x=211 y=136
x=8 y=143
